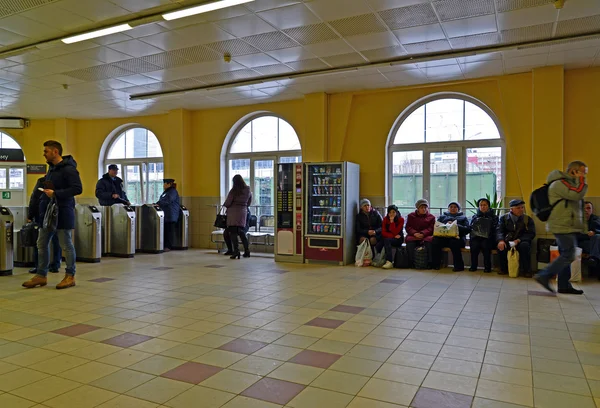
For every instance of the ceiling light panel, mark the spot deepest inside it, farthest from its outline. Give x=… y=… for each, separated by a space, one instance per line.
x=204 y=8
x=98 y=33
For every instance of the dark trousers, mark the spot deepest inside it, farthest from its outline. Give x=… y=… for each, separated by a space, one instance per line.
x=410 y=250
x=524 y=249
x=455 y=244
x=590 y=246
x=234 y=233
x=561 y=266
x=169 y=231
x=484 y=245
x=388 y=244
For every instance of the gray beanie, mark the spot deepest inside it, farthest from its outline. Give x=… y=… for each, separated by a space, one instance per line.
x=456 y=204
x=421 y=202
x=364 y=202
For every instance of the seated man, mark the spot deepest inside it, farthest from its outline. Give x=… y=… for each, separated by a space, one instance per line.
x=515 y=229
x=419 y=230
x=455 y=243
x=588 y=242
x=368 y=223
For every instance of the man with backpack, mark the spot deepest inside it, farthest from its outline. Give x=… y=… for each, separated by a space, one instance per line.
x=515 y=229
x=566 y=191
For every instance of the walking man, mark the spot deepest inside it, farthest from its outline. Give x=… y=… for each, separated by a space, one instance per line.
x=62 y=184
x=566 y=192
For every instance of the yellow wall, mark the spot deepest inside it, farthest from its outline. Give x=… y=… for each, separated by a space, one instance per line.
x=355 y=127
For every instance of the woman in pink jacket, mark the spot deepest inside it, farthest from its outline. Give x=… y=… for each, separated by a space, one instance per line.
x=419 y=230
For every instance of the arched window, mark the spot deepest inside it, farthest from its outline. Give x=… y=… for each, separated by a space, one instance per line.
x=12 y=172
x=445 y=149
x=139 y=156
x=258 y=146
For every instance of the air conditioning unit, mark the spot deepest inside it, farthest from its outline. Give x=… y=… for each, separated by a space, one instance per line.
x=13 y=123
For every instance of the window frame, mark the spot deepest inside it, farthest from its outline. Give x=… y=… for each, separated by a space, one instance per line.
x=453 y=146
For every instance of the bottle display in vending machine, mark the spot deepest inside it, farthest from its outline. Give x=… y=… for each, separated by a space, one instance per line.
x=324 y=200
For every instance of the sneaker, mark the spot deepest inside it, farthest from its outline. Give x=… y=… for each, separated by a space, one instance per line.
x=388 y=265
x=571 y=291
x=37 y=280
x=544 y=282
x=67 y=282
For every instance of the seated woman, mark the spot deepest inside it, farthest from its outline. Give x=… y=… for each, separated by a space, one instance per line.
x=419 y=230
x=483 y=235
x=454 y=243
x=392 y=235
x=368 y=223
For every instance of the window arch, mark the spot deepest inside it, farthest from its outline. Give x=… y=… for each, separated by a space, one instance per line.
x=255 y=149
x=444 y=148
x=137 y=152
x=13 y=180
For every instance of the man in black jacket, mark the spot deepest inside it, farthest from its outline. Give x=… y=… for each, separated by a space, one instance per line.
x=515 y=229
x=62 y=184
x=33 y=215
x=109 y=189
x=590 y=241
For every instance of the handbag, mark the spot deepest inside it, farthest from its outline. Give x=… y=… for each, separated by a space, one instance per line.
x=364 y=254
x=51 y=216
x=482 y=227
x=221 y=220
x=421 y=257
x=29 y=234
x=401 y=259
x=379 y=259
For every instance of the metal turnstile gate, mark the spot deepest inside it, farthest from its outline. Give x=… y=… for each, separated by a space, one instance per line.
x=118 y=231
x=150 y=229
x=88 y=233
x=181 y=239
x=6 y=241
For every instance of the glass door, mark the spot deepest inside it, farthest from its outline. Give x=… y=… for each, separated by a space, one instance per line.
x=263 y=191
x=132 y=180
x=324 y=200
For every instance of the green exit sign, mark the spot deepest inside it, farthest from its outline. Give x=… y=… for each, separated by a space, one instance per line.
x=6 y=195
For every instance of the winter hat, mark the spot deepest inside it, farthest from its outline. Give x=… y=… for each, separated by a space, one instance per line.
x=364 y=202
x=455 y=203
x=484 y=199
x=516 y=202
x=421 y=202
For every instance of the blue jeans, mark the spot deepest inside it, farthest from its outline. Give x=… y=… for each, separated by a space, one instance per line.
x=66 y=243
x=561 y=265
x=56 y=254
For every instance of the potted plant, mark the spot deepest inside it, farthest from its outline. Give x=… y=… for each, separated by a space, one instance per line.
x=495 y=203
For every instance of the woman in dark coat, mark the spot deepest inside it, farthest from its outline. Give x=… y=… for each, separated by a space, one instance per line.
x=485 y=221
x=454 y=243
x=419 y=230
x=237 y=203
x=169 y=203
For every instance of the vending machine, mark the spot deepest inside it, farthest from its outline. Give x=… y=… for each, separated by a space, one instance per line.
x=289 y=206
x=331 y=207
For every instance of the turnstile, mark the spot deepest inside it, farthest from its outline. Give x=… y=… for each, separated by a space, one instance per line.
x=23 y=256
x=6 y=241
x=118 y=229
x=150 y=229
x=88 y=233
x=181 y=238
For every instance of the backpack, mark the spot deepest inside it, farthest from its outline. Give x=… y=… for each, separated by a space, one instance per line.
x=540 y=203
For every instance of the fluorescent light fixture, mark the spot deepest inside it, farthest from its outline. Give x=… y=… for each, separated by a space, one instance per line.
x=204 y=8
x=97 y=33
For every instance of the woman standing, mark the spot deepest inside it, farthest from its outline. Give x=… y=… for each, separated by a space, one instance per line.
x=237 y=202
x=169 y=203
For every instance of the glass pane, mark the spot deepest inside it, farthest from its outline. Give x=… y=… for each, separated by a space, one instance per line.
x=154 y=149
x=407 y=180
x=443 y=179
x=17 y=179
x=478 y=124
x=2 y=178
x=241 y=167
x=117 y=150
x=153 y=185
x=484 y=173
x=288 y=139
x=294 y=159
x=264 y=191
x=412 y=129
x=133 y=184
x=324 y=200
x=135 y=144
x=7 y=142
x=264 y=134
x=444 y=120
x=243 y=142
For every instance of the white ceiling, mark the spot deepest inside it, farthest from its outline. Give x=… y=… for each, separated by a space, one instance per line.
x=268 y=37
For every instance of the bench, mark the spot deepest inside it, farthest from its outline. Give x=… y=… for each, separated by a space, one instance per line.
x=262 y=235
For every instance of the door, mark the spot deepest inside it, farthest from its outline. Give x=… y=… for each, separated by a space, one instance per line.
x=263 y=190
x=132 y=180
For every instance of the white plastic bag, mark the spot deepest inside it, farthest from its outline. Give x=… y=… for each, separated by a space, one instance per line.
x=445 y=230
x=379 y=259
x=513 y=263
x=576 y=266
x=364 y=254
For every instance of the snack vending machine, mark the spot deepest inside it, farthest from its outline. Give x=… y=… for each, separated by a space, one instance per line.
x=331 y=207
x=289 y=204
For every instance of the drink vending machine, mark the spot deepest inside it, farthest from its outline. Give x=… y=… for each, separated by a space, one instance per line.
x=289 y=205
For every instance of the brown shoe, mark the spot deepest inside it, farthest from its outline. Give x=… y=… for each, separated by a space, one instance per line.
x=67 y=282
x=36 y=280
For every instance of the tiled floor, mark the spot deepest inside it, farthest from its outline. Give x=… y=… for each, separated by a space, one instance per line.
x=195 y=329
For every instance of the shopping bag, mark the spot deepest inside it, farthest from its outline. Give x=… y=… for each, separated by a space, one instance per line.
x=445 y=230
x=554 y=253
x=220 y=220
x=29 y=234
x=364 y=254
x=576 y=266
x=513 y=263
x=421 y=257
x=401 y=258
x=482 y=228
x=379 y=259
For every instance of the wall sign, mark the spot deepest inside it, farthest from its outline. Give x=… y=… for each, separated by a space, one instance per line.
x=6 y=195
x=36 y=169
x=11 y=155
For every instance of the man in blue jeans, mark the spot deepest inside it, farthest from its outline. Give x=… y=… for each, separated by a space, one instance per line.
x=566 y=192
x=62 y=184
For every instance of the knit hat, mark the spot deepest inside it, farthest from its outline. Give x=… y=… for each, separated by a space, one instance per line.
x=516 y=202
x=364 y=202
x=484 y=199
x=421 y=202
x=455 y=203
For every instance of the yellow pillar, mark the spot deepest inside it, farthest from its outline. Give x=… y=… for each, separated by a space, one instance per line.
x=178 y=151
x=548 y=122
x=314 y=143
